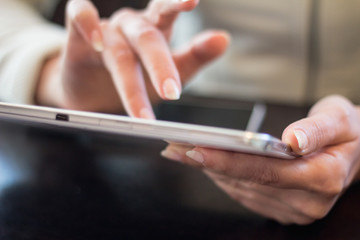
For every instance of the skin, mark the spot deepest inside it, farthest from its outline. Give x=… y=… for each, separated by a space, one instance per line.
x=124 y=64
x=297 y=191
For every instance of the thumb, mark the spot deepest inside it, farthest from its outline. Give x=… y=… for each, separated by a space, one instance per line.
x=204 y=48
x=332 y=120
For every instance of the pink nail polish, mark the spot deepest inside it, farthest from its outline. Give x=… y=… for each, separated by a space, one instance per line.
x=171 y=89
x=196 y=156
x=171 y=155
x=96 y=41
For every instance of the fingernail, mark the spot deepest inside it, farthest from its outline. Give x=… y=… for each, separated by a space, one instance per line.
x=171 y=89
x=196 y=156
x=147 y=114
x=185 y=0
x=171 y=155
x=301 y=139
x=96 y=41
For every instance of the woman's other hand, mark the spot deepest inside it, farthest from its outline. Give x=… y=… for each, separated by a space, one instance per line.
x=296 y=191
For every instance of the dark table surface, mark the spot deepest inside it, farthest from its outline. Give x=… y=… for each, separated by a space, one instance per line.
x=68 y=185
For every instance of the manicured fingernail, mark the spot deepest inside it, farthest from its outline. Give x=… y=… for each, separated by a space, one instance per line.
x=147 y=114
x=185 y=0
x=196 y=156
x=301 y=139
x=171 y=89
x=171 y=155
x=96 y=41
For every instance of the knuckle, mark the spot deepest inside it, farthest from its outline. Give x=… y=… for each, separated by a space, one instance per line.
x=344 y=115
x=315 y=211
x=146 y=33
x=237 y=194
x=331 y=180
x=122 y=14
x=332 y=188
x=218 y=177
x=318 y=134
x=237 y=197
x=115 y=58
x=224 y=168
x=265 y=176
x=198 y=56
x=123 y=54
x=218 y=167
x=328 y=187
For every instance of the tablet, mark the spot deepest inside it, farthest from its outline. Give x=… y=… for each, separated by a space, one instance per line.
x=183 y=133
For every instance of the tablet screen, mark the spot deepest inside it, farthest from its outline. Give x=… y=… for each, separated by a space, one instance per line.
x=205 y=111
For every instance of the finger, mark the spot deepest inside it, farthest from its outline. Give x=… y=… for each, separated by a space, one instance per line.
x=331 y=121
x=268 y=206
x=175 y=151
x=203 y=49
x=310 y=173
x=83 y=21
x=151 y=47
x=316 y=206
x=126 y=73
x=163 y=13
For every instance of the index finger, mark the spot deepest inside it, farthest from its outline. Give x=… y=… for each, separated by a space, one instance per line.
x=153 y=51
x=324 y=172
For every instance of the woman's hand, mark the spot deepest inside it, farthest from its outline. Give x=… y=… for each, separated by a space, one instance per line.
x=125 y=62
x=297 y=191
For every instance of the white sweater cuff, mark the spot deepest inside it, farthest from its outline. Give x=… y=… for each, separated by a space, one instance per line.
x=24 y=57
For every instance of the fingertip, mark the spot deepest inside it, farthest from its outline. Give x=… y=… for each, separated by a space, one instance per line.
x=168 y=153
x=204 y=48
x=211 y=44
x=297 y=139
x=302 y=140
x=224 y=35
x=177 y=152
x=187 y=5
x=146 y=113
x=83 y=15
x=79 y=10
x=97 y=40
x=197 y=156
x=171 y=89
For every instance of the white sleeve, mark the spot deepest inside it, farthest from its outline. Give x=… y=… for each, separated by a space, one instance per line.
x=26 y=40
